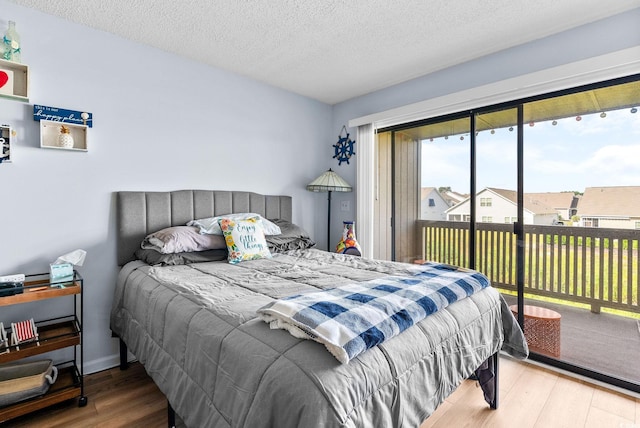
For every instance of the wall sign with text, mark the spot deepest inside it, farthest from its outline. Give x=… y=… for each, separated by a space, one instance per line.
x=56 y=114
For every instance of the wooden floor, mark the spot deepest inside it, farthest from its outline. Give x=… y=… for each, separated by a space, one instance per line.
x=116 y=399
x=530 y=396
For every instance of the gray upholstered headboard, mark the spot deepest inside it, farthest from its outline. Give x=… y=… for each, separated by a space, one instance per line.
x=140 y=213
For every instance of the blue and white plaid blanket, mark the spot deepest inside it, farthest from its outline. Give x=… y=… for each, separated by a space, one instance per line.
x=350 y=319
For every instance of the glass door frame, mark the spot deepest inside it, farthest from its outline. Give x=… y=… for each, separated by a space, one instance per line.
x=519 y=225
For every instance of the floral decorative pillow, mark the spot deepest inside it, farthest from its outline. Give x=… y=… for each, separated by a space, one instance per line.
x=245 y=239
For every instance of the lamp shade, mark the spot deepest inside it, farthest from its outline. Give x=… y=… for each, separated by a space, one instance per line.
x=329 y=181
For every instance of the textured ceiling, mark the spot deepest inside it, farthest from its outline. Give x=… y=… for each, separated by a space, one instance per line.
x=332 y=50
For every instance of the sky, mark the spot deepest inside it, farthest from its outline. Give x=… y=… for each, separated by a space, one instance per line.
x=569 y=156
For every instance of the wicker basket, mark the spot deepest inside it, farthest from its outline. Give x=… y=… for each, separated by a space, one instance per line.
x=24 y=380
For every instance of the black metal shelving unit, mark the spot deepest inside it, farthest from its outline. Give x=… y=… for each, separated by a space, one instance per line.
x=53 y=334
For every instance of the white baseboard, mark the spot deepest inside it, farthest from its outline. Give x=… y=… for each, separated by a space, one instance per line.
x=105 y=363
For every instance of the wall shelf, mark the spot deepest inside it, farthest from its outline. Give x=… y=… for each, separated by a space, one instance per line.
x=20 y=77
x=49 y=131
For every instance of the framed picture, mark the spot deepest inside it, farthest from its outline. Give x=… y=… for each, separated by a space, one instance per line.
x=6 y=81
x=5 y=143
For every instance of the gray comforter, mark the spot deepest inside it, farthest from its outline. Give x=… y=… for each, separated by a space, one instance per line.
x=195 y=330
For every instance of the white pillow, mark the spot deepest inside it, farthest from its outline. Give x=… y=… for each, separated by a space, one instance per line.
x=210 y=225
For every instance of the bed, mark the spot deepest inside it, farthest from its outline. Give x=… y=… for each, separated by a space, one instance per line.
x=194 y=328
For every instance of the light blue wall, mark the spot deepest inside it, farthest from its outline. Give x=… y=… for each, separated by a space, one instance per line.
x=608 y=35
x=161 y=123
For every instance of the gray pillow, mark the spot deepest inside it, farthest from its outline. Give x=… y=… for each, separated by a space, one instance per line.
x=153 y=257
x=181 y=239
x=291 y=237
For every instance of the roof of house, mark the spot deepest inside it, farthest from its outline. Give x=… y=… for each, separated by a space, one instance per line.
x=454 y=197
x=530 y=204
x=610 y=201
x=425 y=191
x=557 y=200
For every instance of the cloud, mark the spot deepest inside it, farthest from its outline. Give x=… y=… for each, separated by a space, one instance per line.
x=612 y=158
x=498 y=151
x=610 y=165
x=445 y=164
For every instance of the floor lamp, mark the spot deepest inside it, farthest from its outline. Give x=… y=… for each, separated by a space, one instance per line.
x=329 y=182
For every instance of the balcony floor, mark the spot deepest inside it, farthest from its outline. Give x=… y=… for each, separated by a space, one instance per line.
x=602 y=342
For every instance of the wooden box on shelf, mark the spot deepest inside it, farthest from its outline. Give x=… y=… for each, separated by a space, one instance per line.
x=19 y=75
x=51 y=130
x=53 y=334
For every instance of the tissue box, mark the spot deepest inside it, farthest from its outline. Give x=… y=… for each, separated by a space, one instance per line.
x=61 y=272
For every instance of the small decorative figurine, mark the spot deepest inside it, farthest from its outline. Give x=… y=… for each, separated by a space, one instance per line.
x=24 y=332
x=348 y=244
x=65 y=139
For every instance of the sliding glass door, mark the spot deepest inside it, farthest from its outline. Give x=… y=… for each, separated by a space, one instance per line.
x=541 y=195
x=581 y=152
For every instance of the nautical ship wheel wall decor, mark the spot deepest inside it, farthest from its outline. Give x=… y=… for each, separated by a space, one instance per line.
x=344 y=147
